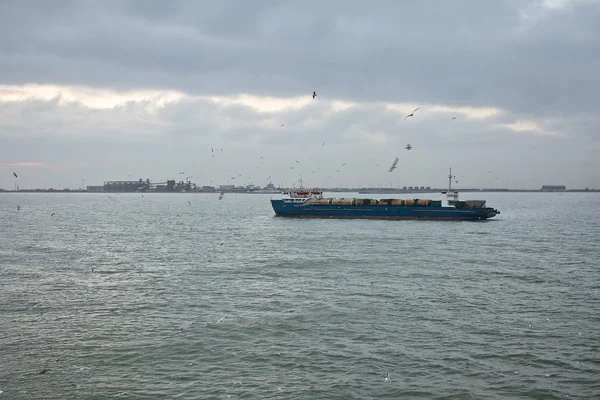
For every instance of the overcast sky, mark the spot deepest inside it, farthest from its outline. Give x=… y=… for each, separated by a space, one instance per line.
x=119 y=90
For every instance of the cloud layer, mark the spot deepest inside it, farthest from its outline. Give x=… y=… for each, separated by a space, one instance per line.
x=106 y=90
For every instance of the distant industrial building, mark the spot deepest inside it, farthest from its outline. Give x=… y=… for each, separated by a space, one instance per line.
x=126 y=186
x=554 y=188
x=143 y=186
x=234 y=189
x=174 y=186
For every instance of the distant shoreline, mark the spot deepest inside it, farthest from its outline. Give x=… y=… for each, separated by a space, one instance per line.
x=330 y=190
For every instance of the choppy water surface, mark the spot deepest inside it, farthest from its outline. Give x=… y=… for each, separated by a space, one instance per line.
x=185 y=296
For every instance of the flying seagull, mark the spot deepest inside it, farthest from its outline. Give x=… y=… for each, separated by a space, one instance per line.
x=15 y=174
x=412 y=114
x=408 y=147
x=453 y=117
x=393 y=167
x=314 y=94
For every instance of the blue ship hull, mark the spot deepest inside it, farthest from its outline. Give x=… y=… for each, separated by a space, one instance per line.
x=301 y=210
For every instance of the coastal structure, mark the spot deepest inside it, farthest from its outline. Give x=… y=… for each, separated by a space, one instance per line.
x=176 y=187
x=143 y=186
x=554 y=188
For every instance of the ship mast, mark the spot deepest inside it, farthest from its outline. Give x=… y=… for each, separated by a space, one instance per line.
x=450 y=195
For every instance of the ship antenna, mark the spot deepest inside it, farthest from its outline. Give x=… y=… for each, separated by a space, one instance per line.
x=450 y=181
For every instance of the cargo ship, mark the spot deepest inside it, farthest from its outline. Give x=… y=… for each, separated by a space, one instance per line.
x=312 y=204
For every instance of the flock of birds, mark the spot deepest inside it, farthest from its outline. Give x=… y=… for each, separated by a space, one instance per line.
x=408 y=147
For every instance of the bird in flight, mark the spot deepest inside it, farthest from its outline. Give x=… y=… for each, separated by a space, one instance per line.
x=453 y=117
x=314 y=94
x=393 y=167
x=412 y=114
x=408 y=147
x=14 y=173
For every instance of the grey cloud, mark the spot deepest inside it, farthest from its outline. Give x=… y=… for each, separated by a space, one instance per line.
x=459 y=53
x=536 y=63
x=118 y=142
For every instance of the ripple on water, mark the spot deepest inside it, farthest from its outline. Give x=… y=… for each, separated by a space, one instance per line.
x=155 y=297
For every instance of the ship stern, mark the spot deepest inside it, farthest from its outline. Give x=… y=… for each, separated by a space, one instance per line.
x=491 y=212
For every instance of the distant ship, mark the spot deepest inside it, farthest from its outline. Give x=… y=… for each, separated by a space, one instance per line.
x=312 y=204
x=269 y=189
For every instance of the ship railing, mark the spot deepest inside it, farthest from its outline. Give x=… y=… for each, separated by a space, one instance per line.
x=296 y=200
